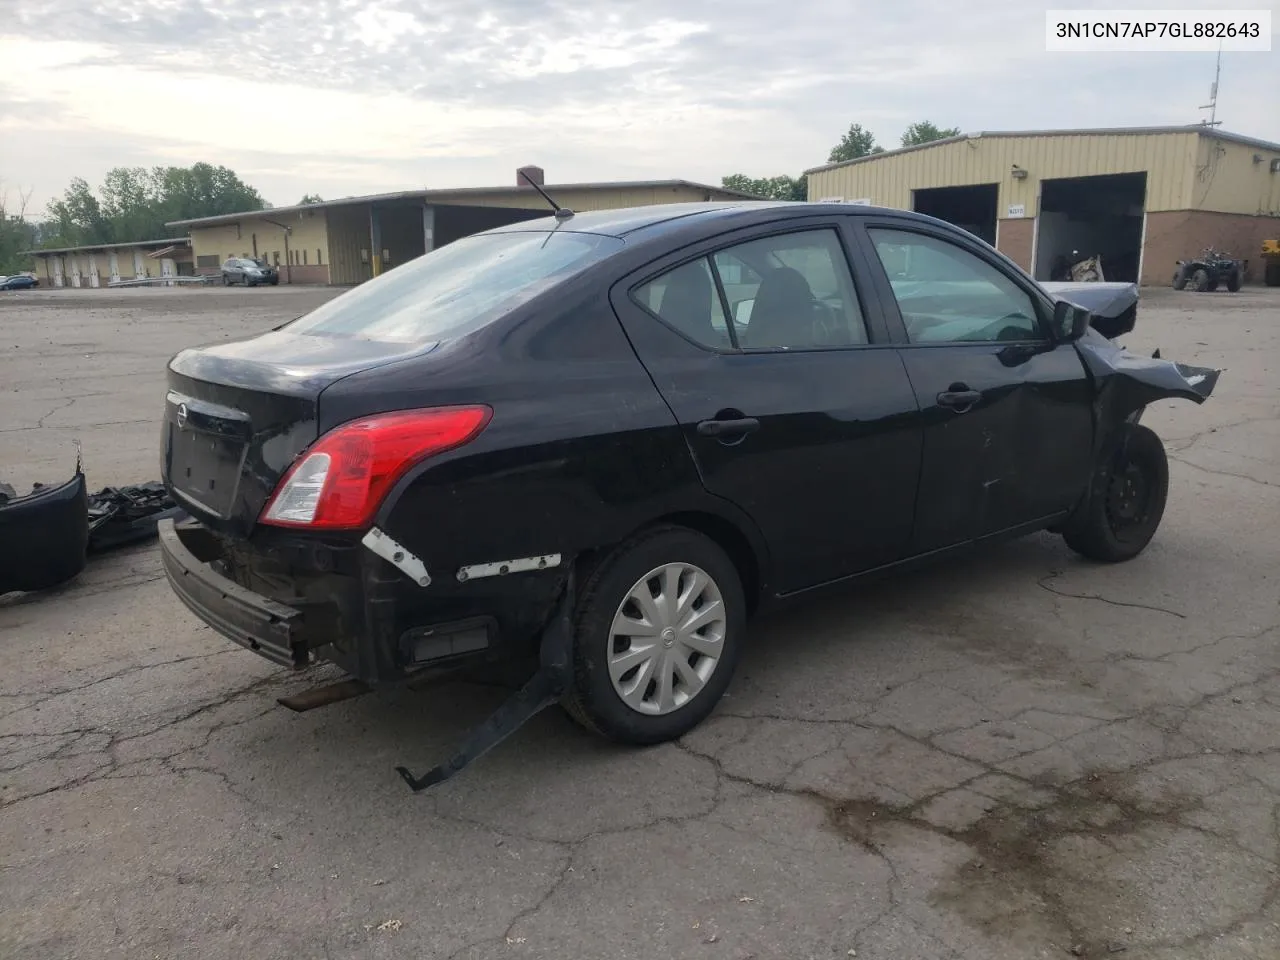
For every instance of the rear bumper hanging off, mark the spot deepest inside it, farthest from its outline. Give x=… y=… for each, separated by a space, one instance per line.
x=270 y=629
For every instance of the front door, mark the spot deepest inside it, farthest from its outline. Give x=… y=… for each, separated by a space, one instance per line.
x=795 y=407
x=1008 y=421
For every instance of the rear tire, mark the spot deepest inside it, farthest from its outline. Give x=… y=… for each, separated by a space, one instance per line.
x=1233 y=281
x=607 y=696
x=1200 y=280
x=1127 y=497
x=1180 y=279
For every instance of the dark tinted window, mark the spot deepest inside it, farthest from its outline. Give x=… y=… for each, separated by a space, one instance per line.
x=948 y=295
x=792 y=291
x=686 y=299
x=457 y=288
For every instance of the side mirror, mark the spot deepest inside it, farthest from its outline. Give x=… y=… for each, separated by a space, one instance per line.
x=1069 y=321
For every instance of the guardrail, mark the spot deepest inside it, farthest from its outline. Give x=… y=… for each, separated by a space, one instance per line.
x=161 y=281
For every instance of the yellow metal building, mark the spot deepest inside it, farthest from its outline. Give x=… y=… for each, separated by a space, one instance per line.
x=350 y=240
x=1141 y=198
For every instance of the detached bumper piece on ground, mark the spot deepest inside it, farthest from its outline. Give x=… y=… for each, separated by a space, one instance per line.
x=47 y=535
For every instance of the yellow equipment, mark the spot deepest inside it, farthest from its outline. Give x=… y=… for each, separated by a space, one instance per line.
x=1271 y=262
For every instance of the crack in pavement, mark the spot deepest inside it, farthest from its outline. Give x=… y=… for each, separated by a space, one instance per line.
x=1044 y=584
x=1223 y=473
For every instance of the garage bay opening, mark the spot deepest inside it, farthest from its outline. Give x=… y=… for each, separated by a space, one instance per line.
x=1083 y=217
x=971 y=208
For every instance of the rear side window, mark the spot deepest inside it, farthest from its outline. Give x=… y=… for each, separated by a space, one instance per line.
x=790 y=291
x=458 y=288
x=686 y=299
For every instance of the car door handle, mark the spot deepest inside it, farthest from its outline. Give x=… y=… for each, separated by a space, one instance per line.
x=960 y=400
x=728 y=428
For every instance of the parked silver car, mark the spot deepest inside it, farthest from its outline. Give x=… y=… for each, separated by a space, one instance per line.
x=248 y=271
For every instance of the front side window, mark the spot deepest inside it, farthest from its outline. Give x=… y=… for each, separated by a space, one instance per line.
x=458 y=288
x=948 y=295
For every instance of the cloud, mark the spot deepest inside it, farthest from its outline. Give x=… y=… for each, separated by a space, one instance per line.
x=312 y=95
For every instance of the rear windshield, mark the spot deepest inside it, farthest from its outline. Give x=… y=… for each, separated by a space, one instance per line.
x=458 y=288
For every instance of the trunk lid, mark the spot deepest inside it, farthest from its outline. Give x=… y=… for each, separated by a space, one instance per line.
x=237 y=415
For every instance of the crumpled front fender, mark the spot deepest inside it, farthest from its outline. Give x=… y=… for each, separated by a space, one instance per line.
x=1126 y=382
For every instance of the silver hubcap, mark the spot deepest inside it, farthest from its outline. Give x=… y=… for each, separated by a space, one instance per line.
x=666 y=639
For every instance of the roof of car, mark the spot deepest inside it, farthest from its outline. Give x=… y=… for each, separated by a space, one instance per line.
x=671 y=216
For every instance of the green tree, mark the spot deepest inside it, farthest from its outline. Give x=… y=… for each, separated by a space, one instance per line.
x=773 y=188
x=925 y=131
x=856 y=143
x=134 y=203
x=17 y=233
x=310 y=198
x=78 y=218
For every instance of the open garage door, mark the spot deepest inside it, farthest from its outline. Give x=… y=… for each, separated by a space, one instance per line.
x=971 y=208
x=1083 y=217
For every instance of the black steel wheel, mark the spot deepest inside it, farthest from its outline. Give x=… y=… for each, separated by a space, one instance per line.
x=1126 y=499
x=658 y=632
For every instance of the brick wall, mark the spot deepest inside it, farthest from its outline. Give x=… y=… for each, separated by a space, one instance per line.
x=1015 y=238
x=1180 y=234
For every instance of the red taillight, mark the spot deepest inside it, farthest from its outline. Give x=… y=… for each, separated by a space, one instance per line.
x=339 y=482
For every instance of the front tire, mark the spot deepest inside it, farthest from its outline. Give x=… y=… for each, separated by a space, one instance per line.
x=658 y=634
x=1126 y=500
x=1200 y=280
x=1233 y=281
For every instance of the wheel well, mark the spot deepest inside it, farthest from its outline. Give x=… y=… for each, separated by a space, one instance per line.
x=726 y=536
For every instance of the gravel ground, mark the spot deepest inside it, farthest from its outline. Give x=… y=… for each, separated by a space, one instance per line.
x=1018 y=756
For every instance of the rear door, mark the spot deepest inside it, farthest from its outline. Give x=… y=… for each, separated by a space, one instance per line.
x=794 y=403
x=1008 y=422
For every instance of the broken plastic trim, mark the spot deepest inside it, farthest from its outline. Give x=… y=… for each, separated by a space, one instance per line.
x=396 y=555
x=500 y=568
x=544 y=688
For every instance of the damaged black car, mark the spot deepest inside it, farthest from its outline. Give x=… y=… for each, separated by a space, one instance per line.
x=600 y=442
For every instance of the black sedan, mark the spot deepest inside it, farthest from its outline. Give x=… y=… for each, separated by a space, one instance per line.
x=21 y=281
x=608 y=439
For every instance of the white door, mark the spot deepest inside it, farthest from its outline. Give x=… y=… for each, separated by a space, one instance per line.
x=93 y=270
x=167 y=269
x=77 y=274
x=58 y=279
x=139 y=268
x=113 y=265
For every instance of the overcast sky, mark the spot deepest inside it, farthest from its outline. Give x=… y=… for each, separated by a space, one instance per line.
x=342 y=97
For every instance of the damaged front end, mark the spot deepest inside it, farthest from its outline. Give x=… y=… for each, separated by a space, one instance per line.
x=1125 y=382
x=44 y=536
x=1113 y=307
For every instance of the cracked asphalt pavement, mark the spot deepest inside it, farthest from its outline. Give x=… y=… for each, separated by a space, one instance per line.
x=1021 y=755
